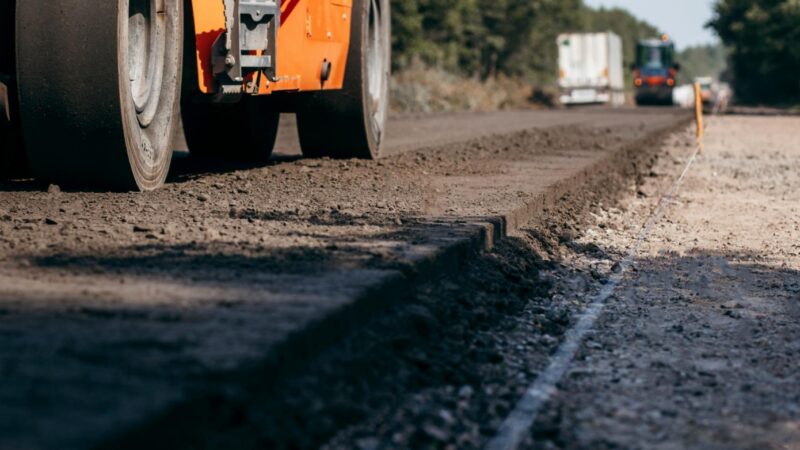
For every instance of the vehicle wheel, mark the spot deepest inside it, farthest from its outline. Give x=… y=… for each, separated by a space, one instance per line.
x=101 y=111
x=243 y=132
x=351 y=123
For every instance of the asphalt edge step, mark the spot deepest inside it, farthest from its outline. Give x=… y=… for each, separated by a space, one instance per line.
x=476 y=236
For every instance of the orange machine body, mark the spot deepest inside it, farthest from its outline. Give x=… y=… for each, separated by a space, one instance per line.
x=311 y=32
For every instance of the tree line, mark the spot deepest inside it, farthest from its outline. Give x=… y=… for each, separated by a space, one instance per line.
x=517 y=38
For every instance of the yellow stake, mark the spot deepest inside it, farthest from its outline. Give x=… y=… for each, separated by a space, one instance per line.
x=698 y=95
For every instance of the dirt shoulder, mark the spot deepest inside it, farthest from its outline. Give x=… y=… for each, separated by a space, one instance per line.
x=698 y=349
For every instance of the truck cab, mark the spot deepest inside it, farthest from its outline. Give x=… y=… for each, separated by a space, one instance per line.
x=655 y=71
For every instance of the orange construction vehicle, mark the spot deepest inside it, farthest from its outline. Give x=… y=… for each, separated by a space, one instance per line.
x=655 y=71
x=100 y=89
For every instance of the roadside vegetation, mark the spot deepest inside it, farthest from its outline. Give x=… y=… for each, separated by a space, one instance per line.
x=764 y=56
x=494 y=54
x=422 y=88
x=491 y=54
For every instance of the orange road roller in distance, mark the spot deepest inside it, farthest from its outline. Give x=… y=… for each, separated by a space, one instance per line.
x=99 y=90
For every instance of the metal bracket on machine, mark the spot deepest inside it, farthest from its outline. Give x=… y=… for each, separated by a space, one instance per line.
x=248 y=46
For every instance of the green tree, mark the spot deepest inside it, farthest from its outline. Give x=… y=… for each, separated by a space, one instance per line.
x=762 y=36
x=485 y=38
x=406 y=31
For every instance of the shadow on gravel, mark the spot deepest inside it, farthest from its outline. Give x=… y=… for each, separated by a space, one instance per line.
x=163 y=340
x=439 y=335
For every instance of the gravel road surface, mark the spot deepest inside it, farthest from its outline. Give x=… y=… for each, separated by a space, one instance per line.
x=699 y=348
x=115 y=308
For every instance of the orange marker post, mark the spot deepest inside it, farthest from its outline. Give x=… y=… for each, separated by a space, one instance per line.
x=698 y=94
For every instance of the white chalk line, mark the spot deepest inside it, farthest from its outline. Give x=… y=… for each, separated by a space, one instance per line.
x=517 y=425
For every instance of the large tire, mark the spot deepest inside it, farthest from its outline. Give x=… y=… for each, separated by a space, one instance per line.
x=351 y=123
x=242 y=132
x=99 y=89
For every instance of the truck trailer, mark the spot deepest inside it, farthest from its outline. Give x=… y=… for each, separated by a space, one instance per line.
x=591 y=69
x=99 y=89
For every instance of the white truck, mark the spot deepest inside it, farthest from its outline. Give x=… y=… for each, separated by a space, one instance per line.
x=590 y=69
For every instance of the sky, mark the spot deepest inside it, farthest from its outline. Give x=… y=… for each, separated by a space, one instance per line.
x=684 y=20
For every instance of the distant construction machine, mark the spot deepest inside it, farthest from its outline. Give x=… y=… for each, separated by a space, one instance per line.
x=99 y=89
x=655 y=71
x=591 y=69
